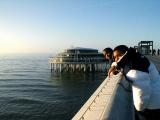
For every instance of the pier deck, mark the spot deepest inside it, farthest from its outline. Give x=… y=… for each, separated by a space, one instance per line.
x=156 y=60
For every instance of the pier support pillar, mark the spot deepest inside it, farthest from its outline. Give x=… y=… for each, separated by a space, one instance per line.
x=55 y=68
x=67 y=67
x=60 y=68
x=90 y=67
x=85 y=67
x=51 y=67
x=95 y=66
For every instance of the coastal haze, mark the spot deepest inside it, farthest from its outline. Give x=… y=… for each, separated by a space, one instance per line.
x=49 y=26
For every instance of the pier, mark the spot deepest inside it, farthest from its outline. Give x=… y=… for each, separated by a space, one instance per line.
x=156 y=60
x=78 y=59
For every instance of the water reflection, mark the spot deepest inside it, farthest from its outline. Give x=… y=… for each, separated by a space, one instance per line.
x=75 y=88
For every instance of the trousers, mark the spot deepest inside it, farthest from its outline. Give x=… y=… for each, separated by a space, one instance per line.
x=147 y=114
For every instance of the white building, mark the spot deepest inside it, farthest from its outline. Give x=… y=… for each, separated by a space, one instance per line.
x=78 y=59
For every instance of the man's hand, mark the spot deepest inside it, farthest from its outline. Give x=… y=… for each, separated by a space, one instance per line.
x=111 y=71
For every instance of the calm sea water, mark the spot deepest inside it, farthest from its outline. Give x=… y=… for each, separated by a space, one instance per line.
x=29 y=91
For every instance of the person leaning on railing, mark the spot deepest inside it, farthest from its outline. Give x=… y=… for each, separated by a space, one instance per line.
x=145 y=80
x=108 y=53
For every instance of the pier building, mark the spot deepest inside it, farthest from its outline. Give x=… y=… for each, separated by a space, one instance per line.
x=78 y=59
x=145 y=47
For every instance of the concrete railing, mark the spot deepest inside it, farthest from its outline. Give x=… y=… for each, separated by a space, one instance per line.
x=121 y=104
x=111 y=101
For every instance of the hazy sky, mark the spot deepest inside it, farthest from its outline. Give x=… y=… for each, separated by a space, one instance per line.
x=41 y=26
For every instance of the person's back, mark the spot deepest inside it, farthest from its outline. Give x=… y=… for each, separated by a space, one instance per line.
x=154 y=101
x=145 y=76
x=145 y=82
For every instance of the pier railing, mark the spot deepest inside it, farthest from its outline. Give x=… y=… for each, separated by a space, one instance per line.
x=73 y=60
x=111 y=101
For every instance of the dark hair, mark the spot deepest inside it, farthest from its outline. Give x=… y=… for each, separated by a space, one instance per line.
x=121 y=49
x=134 y=60
x=108 y=51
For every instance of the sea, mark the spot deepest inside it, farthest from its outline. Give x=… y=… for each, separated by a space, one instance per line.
x=30 y=91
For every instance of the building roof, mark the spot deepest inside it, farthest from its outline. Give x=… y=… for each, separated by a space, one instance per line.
x=80 y=48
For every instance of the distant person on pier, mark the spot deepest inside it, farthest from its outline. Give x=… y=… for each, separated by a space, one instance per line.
x=144 y=78
x=158 y=51
x=108 y=53
x=153 y=52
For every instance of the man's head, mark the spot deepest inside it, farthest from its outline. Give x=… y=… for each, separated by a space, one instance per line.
x=107 y=52
x=119 y=51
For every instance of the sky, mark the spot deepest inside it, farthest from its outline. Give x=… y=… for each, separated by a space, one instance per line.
x=50 y=26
